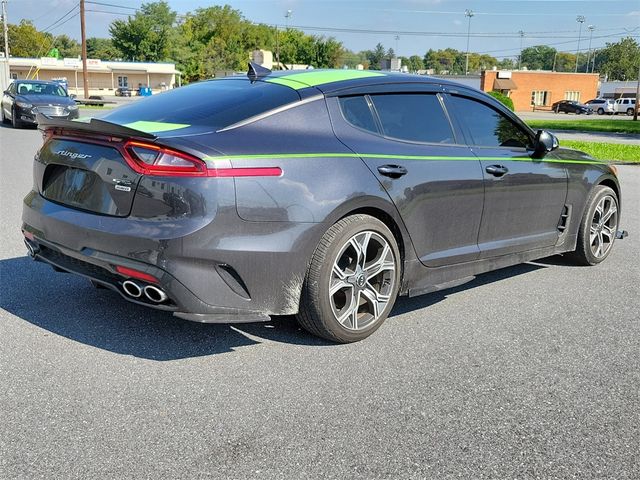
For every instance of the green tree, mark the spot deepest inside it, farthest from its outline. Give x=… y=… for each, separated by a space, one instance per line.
x=26 y=41
x=620 y=60
x=414 y=63
x=375 y=57
x=539 y=57
x=103 y=49
x=565 y=62
x=67 y=46
x=148 y=35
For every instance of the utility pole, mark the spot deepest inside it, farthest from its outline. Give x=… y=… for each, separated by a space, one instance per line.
x=580 y=19
x=635 y=110
x=6 y=31
x=85 y=74
x=591 y=28
x=520 y=56
x=469 y=14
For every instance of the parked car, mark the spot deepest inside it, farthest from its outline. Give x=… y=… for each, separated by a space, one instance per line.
x=624 y=105
x=571 y=106
x=123 y=92
x=24 y=99
x=601 y=106
x=321 y=193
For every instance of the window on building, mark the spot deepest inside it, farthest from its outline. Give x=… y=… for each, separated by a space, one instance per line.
x=572 y=95
x=488 y=127
x=540 y=97
x=123 y=81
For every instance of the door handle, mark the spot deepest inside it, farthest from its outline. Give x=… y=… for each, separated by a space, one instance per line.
x=496 y=170
x=393 y=171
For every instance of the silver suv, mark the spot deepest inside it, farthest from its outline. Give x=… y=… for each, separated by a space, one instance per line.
x=602 y=106
x=624 y=105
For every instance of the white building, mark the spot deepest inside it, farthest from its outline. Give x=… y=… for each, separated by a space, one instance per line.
x=104 y=76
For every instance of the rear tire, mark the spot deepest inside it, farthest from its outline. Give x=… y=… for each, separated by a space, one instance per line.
x=629 y=111
x=352 y=281
x=601 y=111
x=598 y=227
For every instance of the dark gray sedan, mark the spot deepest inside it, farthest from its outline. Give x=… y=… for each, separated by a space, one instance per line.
x=323 y=194
x=26 y=98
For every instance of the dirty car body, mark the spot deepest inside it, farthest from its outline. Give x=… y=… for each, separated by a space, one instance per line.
x=253 y=171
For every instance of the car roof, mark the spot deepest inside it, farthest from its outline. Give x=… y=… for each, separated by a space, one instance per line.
x=46 y=82
x=328 y=81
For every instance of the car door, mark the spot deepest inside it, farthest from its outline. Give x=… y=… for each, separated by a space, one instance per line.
x=524 y=197
x=7 y=100
x=408 y=142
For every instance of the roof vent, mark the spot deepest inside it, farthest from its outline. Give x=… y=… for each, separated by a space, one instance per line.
x=257 y=71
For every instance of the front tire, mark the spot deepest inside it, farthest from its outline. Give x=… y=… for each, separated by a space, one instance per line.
x=601 y=111
x=598 y=227
x=352 y=281
x=15 y=121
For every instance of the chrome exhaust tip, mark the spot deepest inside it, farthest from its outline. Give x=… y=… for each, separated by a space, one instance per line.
x=155 y=294
x=32 y=249
x=132 y=289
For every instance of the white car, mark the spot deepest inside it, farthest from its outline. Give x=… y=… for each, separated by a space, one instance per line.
x=602 y=105
x=624 y=105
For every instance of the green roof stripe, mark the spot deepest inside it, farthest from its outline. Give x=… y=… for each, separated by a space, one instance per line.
x=313 y=78
x=276 y=156
x=154 y=127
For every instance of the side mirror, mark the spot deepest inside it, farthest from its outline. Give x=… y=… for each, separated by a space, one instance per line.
x=544 y=143
x=73 y=96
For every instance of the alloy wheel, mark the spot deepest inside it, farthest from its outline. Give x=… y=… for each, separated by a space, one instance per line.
x=603 y=226
x=362 y=280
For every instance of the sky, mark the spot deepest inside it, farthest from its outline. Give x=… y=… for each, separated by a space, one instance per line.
x=408 y=26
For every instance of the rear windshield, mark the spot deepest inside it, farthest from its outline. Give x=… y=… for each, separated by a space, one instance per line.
x=214 y=103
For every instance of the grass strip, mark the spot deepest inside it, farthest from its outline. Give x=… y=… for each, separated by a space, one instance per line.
x=606 y=151
x=596 y=125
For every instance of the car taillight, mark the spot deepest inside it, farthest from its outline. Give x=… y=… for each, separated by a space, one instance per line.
x=149 y=159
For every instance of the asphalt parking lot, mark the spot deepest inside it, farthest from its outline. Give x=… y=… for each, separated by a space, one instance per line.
x=528 y=372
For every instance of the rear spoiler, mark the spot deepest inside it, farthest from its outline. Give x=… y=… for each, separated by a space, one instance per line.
x=95 y=125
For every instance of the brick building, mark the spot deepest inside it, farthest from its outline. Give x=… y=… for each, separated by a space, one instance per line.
x=540 y=89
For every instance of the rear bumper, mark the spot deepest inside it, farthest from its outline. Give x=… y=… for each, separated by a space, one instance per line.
x=214 y=267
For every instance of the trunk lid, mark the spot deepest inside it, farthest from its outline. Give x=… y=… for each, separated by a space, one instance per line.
x=86 y=175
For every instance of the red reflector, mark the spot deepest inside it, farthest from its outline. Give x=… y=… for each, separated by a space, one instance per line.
x=29 y=235
x=130 y=272
x=245 y=172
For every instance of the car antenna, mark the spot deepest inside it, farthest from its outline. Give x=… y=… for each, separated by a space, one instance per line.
x=257 y=71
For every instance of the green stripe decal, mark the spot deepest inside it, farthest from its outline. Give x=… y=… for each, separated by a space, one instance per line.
x=155 y=127
x=277 y=156
x=313 y=78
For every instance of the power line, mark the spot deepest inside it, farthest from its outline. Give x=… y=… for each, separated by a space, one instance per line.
x=110 y=5
x=60 y=19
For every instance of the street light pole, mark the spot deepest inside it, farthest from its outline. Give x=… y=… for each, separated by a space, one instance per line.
x=6 y=31
x=635 y=110
x=591 y=28
x=520 y=56
x=469 y=14
x=83 y=38
x=287 y=16
x=580 y=19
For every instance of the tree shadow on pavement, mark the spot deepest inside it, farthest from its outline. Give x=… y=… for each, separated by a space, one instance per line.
x=67 y=305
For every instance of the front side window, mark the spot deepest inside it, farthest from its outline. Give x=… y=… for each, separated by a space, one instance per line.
x=488 y=127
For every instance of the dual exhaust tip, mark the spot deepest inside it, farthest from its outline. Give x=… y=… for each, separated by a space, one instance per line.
x=151 y=292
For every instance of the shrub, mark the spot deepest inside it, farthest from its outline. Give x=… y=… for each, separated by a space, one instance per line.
x=502 y=98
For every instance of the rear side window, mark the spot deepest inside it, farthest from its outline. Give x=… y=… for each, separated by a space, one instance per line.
x=356 y=111
x=413 y=117
x=488 y=127
x=213 y=103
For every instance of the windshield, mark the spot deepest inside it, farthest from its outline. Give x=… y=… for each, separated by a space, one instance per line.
x=41 y=89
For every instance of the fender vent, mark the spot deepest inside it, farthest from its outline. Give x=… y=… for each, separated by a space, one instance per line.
x=564 y=218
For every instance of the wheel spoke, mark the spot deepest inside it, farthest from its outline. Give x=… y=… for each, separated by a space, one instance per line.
x=350 y=311
x=609 y=232
x=609 y=213
x=360 y=243
x=382 y=264
x=593 y=231
x=377 y=300
x=600 y=242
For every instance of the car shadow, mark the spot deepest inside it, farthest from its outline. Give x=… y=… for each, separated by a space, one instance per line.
x=67 y=305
